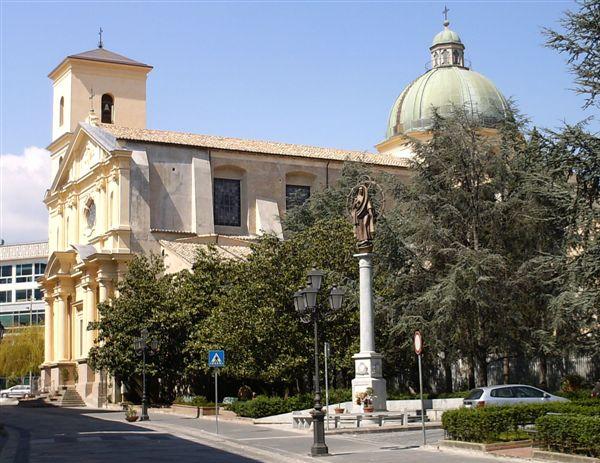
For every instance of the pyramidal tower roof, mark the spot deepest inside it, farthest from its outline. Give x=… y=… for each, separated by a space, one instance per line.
x=107 y=56
x=101 y=55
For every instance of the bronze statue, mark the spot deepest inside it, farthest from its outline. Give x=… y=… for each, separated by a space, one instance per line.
x=363 y=216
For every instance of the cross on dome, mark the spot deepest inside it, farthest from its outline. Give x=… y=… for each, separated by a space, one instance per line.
x=445 y=12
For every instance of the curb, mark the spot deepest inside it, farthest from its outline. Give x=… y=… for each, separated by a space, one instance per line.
x=562 y=457
x=373 y=430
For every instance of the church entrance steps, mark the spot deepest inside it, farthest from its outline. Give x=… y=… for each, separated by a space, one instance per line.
x=66 y=398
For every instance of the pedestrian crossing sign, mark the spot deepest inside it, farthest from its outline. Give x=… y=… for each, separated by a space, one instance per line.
x=216 y=358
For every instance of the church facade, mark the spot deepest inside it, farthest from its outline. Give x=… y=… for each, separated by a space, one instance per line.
x=121 y=189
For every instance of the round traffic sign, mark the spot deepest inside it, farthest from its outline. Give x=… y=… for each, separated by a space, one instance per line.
x=418 y=342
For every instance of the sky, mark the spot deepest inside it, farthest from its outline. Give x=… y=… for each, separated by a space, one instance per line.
x=318 y=73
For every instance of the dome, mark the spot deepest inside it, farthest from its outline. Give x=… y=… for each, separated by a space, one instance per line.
x=445 y=36
x=445 y=87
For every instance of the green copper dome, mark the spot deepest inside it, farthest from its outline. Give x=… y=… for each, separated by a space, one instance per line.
x=443 y=88
x=446 y=36
x=448 y=84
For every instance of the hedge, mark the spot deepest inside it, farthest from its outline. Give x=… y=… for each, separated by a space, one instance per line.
x=570 y=433
x=488 y=423
x=267 y=406
x=196 y=401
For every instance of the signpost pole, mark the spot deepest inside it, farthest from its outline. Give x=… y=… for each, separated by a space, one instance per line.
x=422 y=404
x=326 y=352
x=418 y=342
x=216 y=401
x=216 y=359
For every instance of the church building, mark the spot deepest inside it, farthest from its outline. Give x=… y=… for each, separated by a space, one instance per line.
x=120 y=189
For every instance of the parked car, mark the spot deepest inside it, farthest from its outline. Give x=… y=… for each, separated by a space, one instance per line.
x=509 y=394
x=20 y=390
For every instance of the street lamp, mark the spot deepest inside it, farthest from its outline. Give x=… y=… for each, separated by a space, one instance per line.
x=141 y=346
x=305 y=303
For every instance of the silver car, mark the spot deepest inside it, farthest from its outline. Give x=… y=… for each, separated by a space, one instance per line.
x=509 y=394
x=16 y=391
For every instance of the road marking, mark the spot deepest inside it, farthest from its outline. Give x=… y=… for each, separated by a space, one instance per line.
x=269 y=438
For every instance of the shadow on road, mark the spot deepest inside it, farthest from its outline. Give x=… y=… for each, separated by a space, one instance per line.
x=69 y=435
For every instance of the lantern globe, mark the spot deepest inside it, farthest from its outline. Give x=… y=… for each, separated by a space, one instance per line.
x=315 y=278
x=336 y=298
x=310 y=297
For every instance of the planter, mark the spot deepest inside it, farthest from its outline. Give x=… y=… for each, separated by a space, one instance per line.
x=368 y=409
x=339 y=410
x=131 y=419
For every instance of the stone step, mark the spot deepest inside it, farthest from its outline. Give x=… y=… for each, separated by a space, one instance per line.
x=68 y=398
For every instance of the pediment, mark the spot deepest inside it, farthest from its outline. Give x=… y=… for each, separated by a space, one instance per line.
x=90 y=147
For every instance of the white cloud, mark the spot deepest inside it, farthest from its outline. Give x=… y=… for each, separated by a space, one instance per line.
x=23 y=183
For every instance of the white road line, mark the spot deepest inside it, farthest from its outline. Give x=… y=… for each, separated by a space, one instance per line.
x=269 y=438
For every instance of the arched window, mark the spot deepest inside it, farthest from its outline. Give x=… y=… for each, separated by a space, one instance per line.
x=107 y=108
x=61 y=111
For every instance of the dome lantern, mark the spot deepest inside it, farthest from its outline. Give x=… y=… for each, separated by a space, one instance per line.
x=447 y=49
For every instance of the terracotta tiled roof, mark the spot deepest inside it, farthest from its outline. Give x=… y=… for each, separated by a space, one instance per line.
x=251 y=146
x=24 y=251
x=188 y=251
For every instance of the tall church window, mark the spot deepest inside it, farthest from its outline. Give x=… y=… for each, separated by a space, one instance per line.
x=108 y=104
x=227 y=202
x=61 y=111
x=296 y=195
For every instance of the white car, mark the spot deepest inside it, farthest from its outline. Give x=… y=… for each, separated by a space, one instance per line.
x=509 y=394
x=18 y=391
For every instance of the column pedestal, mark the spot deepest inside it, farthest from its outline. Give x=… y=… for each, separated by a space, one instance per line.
x=367 y=363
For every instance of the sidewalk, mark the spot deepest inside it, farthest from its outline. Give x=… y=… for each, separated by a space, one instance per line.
x=284 y=445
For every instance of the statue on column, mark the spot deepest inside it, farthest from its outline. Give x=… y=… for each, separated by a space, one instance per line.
x=365 y=202
x=364 y=218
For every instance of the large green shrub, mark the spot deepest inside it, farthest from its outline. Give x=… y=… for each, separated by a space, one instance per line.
x=196 y=401
x=570 y=433
x=488 y=424
x=267 y=406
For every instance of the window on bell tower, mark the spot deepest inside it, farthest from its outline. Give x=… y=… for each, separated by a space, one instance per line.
x=61 y=111
x=107 y=109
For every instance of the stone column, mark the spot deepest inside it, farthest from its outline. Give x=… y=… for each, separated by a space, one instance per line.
x=61 y=334
x=367 y=329
x=367 y=363
x=103 y=289
x=48 y=331
x=90 y=316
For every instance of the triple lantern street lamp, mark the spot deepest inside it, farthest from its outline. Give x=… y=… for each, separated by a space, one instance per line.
x=305 y=302
x=142 y=346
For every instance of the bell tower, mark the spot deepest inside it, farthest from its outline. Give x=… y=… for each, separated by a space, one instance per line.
x=111 y=85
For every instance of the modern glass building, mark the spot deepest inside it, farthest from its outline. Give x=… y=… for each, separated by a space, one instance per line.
x=21 y=300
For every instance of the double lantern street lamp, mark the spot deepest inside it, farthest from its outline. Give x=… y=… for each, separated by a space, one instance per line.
x=305 y=302
x=142 y=346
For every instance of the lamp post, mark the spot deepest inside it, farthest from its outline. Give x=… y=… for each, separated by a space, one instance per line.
x=143 y=345
x=305 y=303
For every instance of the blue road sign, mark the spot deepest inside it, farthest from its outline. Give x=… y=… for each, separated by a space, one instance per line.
x=216 y=358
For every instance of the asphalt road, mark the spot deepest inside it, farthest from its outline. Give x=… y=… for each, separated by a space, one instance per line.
x=87 y=436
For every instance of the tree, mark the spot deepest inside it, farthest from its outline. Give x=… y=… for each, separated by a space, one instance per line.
x=573 y=153
x=22 y=351
x=147 y=299
x=252 y=314
x=581 y=42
